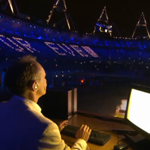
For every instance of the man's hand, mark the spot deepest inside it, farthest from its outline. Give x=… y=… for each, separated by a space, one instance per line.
x=83 y=132
x=63 y=125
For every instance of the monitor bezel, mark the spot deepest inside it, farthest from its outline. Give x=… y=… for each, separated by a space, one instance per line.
x=127 y=121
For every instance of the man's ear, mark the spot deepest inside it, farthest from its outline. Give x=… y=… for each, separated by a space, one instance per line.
x=34 y=86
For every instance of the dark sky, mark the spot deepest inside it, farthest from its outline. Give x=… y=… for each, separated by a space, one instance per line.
x=84 y=13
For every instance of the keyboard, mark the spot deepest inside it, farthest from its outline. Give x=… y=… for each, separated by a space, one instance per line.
x=95 y=137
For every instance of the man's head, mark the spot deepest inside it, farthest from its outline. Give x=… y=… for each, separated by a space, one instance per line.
x=26 y=76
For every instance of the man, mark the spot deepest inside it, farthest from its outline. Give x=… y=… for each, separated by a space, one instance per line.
x=22 y=125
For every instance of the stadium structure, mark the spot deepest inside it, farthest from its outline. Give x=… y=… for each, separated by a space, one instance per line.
x=65 y=52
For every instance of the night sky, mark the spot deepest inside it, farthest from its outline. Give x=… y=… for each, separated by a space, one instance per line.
x=84 y=13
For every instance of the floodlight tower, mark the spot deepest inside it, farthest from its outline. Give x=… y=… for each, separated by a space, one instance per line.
x=12 y=5
x=103 y=17
x=141 y=23
x=103 y=23
x=59 y=5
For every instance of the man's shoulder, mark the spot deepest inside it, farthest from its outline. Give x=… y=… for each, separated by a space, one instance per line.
x=38 y=117
x=4 y=104
x=4 y=107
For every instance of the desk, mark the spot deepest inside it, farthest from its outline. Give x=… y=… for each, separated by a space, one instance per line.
x=103 y=125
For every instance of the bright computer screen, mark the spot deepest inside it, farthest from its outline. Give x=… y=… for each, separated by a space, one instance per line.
x=138 y=110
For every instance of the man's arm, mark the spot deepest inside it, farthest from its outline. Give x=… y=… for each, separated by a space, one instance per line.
x=51 y=139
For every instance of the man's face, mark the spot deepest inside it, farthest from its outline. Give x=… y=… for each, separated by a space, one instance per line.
x=42 y=82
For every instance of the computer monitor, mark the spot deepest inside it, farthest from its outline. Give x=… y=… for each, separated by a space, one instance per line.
x=138 y=110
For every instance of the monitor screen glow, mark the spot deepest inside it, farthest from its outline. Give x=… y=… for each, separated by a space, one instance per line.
x=138 y=111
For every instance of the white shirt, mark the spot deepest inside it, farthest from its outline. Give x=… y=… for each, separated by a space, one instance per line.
x=23 y=127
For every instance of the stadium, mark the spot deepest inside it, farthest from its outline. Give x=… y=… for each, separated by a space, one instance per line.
x=94 y=63
x=100 y=79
